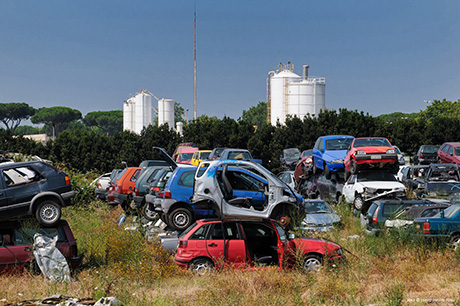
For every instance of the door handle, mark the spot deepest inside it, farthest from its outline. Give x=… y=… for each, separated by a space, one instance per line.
x=212 y=245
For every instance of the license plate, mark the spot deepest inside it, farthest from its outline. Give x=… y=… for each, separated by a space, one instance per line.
x=376 y=157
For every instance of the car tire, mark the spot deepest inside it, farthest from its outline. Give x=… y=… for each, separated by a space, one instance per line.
x=313 y=263
x=148 y=214
x=48 y=212
x=353 y=167
x=358 y=203
x=327 y=172
x=201 y=266
x=180 y=218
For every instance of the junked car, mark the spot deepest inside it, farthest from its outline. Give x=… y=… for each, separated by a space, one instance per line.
x=213 y=188
x=329 y=153
x=209 y=244
x=441 y=180
x=330 y=189
x=289 y=158
x=371 y=153
x=426 y=154
x=320 y=216
x=288 y=178
x=364 y=187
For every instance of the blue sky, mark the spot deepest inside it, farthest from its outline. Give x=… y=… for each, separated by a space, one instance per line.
x=377 y=56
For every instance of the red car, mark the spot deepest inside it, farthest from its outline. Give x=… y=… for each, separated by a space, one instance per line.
x=370 y=153
x=248 y=244
x=449 y=153
x=16 y=240
x=304 y=166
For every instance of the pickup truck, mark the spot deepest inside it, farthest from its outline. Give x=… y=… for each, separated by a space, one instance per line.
x=238 y=154
x=443 y=226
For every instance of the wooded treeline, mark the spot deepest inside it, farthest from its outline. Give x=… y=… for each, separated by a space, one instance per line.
x=87 y=150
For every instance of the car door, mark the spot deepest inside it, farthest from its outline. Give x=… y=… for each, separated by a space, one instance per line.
x=348 y=189
x=229 y=240
x=12 y=256
x=3 y=198
x=246 y=185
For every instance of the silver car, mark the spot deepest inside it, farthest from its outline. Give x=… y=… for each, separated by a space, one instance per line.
x=320 y=216
x=237 y=199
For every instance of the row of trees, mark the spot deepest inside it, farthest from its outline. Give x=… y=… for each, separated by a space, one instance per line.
x=87 y=150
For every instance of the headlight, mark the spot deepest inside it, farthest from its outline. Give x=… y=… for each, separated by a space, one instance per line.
x=360 y=152
x=337 y=161
x=308 y=161
x=371 y=190
x=390 y=151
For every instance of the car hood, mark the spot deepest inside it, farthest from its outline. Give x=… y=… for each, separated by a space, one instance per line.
x=336 y=154
x=374 y=149
x=382 y=185
x=321 y=219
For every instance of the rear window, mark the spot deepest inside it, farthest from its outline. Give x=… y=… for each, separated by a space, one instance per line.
x=430 y=149
x=184 y=233
x=25 y=235
x=187 y=179
x=371 y=210
x=239 y=155
x=389 y=210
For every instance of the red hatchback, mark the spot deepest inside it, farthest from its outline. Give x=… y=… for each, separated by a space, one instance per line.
x=241 y=244
x=449 y=153
x=17 y=238
x=371 y=153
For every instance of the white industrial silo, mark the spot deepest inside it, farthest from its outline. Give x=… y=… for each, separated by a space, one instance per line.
x=180 y=128
x=290 y=94
x=166 y=112
x=137 y=112
x=128 y=113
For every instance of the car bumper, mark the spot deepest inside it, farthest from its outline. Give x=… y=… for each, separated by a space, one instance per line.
x=66 y=196
x=101 y=194
x=138 y=201
x=74 y=262
x=334 y=167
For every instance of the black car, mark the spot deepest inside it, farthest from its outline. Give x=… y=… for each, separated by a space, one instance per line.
x=34 y=188
x=289 y=158
x=426 y=155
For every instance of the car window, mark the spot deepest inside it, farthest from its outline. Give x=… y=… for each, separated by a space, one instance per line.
x=281 y=232
x=136 y=175
x=450 y=211
x=184 y=233
x=258 y=230
x=243 y=181
x=199 y=234
x=187 y=179
x=371 y=210
x=230 y=233
x=338 y=144
x=317 y=207
x=238 y=155
x=389 y=210
x=25 y=235
x=457 y=151
x=204 y=155
x=185 y=156
x=152 y=175
x=371 y=142
x=321 y=145
x=6 y=237
x=430 y=149
x=430 y=212
x=450 y=150
x=20 y=176
x=376 y=176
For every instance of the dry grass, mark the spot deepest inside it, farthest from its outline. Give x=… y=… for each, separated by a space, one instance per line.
x=387 y=271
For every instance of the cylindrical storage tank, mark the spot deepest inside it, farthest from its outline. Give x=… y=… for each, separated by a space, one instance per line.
x=128 y=113
x=180 y=127
x=143 y=111
x=307 y=97
x=166 y=112
x=279 y=86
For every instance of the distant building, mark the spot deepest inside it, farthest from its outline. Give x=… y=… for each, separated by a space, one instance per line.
x=43 y=138
x=138 y=112
x=291 y=94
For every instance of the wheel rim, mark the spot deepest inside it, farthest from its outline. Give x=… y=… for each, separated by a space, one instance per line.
x=284 y=221
x=181 y=219
x=149 y=214
x=49 y=213
x=456 y=243
x=201 y=268
x=312 y=264
x=358 y=203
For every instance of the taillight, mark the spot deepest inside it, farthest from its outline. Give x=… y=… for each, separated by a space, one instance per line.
x=426 y=227
x=67 y=180
x=165 y=195
x=136 y=191
x=421 y=155
x=374 y=217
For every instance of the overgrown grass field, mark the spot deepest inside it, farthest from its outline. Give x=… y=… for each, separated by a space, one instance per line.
x=392 y=269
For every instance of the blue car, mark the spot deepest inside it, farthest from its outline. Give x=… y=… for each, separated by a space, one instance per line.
x=329 y=153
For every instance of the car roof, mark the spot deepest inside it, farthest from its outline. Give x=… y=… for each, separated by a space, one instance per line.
x=9 y=165
x=455 y=144
x=336 y=137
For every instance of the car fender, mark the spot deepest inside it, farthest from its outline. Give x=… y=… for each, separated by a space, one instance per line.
x=181 y=205
x=44 y=195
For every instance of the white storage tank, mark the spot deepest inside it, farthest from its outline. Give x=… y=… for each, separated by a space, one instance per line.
x=291 y=94
x=128 y=111
x=180 y=128
x=138 y=112
x=166 y=112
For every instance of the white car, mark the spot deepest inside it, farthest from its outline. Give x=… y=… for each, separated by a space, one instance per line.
x=360 y=189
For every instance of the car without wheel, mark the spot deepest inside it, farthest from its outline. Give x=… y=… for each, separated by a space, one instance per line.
x=209 y=244
x=34 y=188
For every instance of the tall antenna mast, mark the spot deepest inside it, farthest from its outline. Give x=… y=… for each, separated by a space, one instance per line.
x=194 y=64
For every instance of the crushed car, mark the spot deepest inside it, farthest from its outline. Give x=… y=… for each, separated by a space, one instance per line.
x=320 y=216
x=289 y=158
x=366 y=186
x=212 y=188
x=441 y=180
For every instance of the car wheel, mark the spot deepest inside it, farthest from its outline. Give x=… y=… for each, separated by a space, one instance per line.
x=48 y=212
x=353 y=167
x=313 y=263
x=201 y=266
x=327 y=172
x=358 y=203
x=455 y=243
x=283 y=220
x=148 y=214
x=180 y=218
